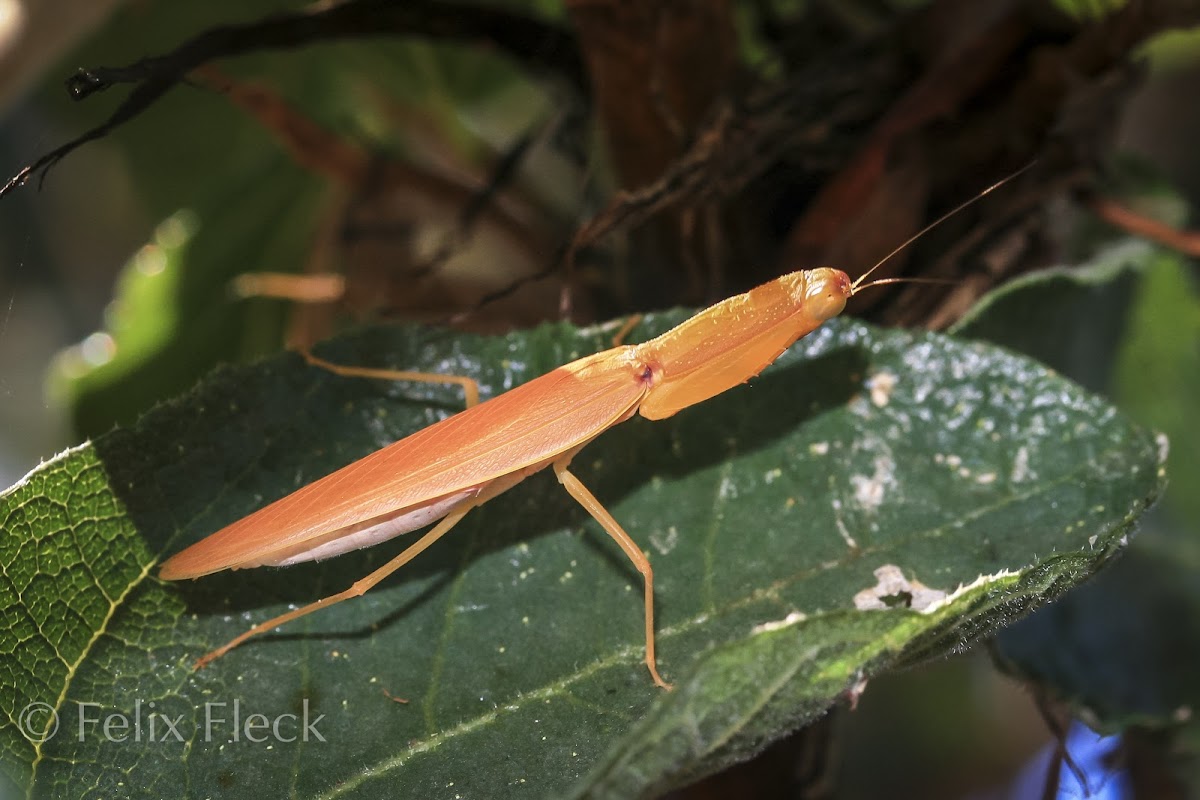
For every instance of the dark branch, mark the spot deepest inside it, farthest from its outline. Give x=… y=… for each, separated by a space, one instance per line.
x=540 y=47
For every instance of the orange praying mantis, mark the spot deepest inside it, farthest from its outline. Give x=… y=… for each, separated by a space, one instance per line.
x=453 y=466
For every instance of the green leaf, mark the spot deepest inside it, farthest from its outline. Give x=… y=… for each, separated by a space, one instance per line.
x=1071 y=319
x=1158 y=371
x=1122 y=649
x=769 y=513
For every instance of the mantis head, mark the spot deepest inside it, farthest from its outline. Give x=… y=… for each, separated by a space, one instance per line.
x=826 y=292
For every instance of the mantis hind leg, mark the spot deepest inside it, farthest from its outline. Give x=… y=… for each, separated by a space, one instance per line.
x=613 y=528
x=326 y=287
x=359 y=588
x=626 y=328
x=318 y=287
x=469 y=385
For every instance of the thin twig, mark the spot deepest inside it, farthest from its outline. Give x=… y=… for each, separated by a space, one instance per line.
x=542 y=47
x=1125 y=218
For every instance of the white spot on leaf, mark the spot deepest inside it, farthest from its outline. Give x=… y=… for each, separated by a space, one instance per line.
x=1020 y=468
x=881 y=386
x=890 y=584
x=843 y=531
x=869 y=491
x=728 y=489
x=774 y=625
x=665 y=541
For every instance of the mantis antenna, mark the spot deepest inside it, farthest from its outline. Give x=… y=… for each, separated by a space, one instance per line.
x=854 y=287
